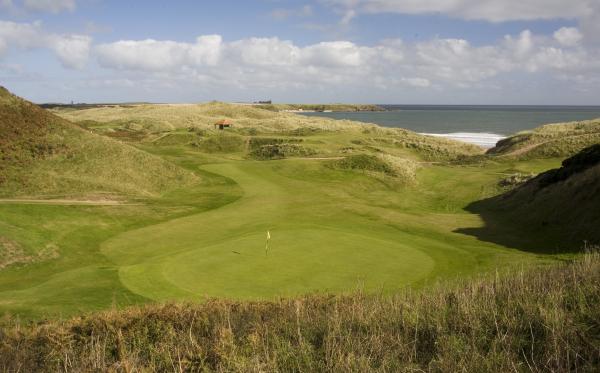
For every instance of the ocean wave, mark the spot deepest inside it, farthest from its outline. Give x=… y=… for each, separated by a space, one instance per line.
x=483 y=139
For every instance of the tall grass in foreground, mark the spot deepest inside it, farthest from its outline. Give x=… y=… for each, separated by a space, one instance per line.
x=544 y=319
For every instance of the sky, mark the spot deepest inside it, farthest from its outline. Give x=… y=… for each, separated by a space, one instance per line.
x=531 y=52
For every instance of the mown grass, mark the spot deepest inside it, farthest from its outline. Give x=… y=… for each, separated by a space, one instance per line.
x=332 y=230
x=544 y=319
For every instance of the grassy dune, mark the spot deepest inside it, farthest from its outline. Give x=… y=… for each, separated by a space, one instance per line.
x=159 y=120
x=46 y=156
x=164 y=117
x=543 y=319
x=561 y=204
x=550 y=140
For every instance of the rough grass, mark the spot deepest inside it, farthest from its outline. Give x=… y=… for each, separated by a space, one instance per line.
x=178 y=138
x=364 y=162
x=561 y=203
x=44 y=155
x=403 y=168
x=221 y=143
x=264 y=148
x=429 y=148
x=279 y=151
x=249 y=120
x=13 y=253
x=550 y=140
x=545 y=319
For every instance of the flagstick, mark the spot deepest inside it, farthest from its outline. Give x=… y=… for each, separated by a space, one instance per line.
x=267 y=243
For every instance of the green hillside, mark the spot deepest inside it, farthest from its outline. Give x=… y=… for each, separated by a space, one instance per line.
x=193 y=125
x=562 y=205
x=46 y=156
x=550 y=140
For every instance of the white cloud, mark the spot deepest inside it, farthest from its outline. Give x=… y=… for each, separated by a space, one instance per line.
x=488 y=10
x=50 y=6
x=206 y=51
x=349 y=15
x=334 y=54
x=3 y=47
x=585 y=12
x=417 y=82
x=21 y=35
x=282 y=14
x=568 y=36
x=271 y=63
x=146 y=54
x=154 y=55
x=72 y=50
x=264 y=52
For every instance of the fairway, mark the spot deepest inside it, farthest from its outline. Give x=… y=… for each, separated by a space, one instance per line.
x=311 y=248
x=184 y=215
x=332 y=231
x=323 y=240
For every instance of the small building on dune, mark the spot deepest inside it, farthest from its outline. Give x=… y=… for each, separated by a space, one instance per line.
x=224 y=123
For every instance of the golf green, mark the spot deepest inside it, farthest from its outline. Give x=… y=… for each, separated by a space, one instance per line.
x=319 y=242
x=331 y=231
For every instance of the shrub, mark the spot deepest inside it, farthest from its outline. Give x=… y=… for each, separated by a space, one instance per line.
x=257 y=142
x=221 y=143
x=514 y=180
x=279 y=151
x=364 y=162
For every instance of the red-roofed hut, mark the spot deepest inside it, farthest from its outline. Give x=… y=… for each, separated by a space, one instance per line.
x=223 y=123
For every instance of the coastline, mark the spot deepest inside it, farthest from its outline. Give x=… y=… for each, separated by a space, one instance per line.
x=483 y=139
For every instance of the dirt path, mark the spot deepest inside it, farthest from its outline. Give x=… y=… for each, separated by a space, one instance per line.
x=65 y=202
x=318 y=158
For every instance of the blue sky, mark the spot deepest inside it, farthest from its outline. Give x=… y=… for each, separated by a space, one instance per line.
x=371 y=51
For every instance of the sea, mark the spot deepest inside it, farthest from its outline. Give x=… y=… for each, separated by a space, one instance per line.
x=483 y=125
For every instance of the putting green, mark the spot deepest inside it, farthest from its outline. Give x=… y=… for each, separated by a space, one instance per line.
x=296 y=262
x=332 y=231
x=322 y=240
x=222 y=252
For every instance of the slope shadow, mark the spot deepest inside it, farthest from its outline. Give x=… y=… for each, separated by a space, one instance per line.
x=555 y=212
x=502 y=229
